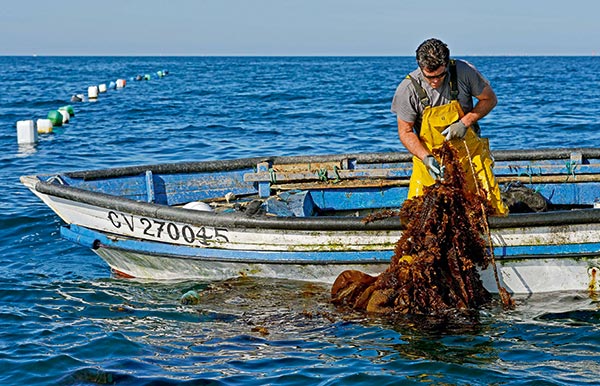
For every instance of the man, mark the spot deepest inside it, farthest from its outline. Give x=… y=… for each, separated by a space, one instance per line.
x=435 y=104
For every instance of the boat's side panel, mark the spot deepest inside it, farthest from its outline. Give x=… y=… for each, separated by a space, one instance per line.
x=143 y=259
x=582 y=193
x=549 y=274
x=571 y=239
x=220 y=238
x=168 y=189
x=526 y=276
x=359 y=198
x=338 y=254
x=141 y=265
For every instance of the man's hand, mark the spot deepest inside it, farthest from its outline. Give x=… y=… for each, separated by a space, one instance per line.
x=455 y=130
x=433 y=167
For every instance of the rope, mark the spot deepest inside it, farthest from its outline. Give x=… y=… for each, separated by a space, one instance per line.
x=322 y=173
x=54 y=179
x=272 y=176
x=337 y=175
x=571 y=166
x=507 y=302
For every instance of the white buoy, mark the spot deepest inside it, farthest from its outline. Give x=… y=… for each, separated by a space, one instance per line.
x=102 y=87
x=65 y=114
x=26 y=133
x=44 y=126
x=121 y=83
x=93 y=92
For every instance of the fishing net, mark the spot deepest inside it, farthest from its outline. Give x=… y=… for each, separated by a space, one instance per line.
x=435 y=264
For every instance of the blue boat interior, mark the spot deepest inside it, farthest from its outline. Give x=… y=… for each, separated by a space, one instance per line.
x=325 y=188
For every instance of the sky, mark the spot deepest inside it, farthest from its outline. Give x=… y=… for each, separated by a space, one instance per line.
x=299 y=27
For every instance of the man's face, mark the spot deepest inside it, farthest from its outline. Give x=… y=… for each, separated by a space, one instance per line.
x=436 y=77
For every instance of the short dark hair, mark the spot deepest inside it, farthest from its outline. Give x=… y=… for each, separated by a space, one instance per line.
x=432 y=54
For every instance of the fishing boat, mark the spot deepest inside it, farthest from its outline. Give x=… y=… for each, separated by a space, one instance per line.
x=303 y=217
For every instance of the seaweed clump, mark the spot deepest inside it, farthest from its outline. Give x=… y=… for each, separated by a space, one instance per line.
x=434 y=267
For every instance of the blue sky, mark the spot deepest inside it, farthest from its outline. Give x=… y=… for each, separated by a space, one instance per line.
x=302 y=27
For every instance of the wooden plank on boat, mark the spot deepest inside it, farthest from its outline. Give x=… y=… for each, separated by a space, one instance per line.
x=551 y=179
x=326 y=175
x=366 y=175
x=310 y=166
x=343 y=184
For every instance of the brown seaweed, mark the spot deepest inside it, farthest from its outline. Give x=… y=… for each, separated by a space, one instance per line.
x=434 y=269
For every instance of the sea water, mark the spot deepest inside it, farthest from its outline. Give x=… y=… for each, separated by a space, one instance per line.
x=64 y=319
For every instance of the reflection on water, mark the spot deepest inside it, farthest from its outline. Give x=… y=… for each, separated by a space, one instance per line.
x=25 y=150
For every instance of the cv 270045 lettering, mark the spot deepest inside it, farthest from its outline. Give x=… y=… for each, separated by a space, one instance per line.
x=159 y=229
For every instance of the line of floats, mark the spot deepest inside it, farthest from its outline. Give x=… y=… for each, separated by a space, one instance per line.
x=28 y=130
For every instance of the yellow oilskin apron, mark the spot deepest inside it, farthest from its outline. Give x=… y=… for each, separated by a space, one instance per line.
x=434 y=121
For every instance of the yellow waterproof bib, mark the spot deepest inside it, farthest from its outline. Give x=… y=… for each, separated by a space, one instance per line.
x=480 y=163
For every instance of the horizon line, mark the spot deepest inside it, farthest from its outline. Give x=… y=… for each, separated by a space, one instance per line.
x=593 y=54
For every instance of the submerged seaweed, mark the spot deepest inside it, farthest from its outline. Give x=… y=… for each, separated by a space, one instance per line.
x=434 y=269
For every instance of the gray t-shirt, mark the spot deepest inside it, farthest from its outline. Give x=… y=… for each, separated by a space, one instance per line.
x=407 y=106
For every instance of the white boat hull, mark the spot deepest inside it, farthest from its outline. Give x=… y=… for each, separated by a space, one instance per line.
x=132 y=218
x=522 y=277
